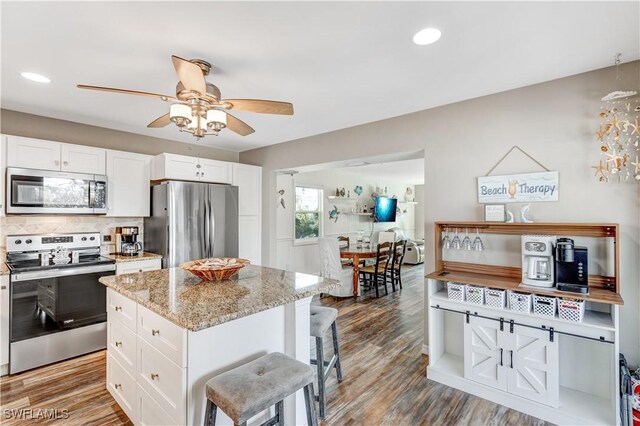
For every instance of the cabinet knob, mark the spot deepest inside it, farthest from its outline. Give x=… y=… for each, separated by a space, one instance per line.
x=201 y=173
x=66 y=163
x=4 y=287
x=118 y=308
x=154 y=376
x=56 y=162
x=139 y=270
x=117 y=386
x=155 y=332
x=197 y=173
x=118 y=343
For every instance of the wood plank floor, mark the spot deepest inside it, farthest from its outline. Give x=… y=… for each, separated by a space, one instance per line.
x=384 y=375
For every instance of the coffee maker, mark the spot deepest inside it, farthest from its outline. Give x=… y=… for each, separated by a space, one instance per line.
x=127 y=240
x=537 y=261
x=572 y=273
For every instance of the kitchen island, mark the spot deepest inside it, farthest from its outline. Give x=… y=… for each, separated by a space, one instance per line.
x=168 y=333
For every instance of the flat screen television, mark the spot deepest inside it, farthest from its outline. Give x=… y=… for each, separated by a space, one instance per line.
x=385 y=209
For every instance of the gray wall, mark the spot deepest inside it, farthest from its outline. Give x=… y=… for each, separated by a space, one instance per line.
x=39 y=127
x=554 y=121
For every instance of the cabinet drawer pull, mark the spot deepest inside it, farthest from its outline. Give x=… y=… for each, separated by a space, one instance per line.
x=155 y=332
x=120 y=344
x=511 y=355
x=118 y=308
x=66 y=163
x=154 y=376
x=201 y=173
x=501 y=350
x=197 y=173
x=139 y=270
x=117 y=386
x=56 y=162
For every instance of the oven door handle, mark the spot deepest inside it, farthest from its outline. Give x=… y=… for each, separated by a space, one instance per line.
x=54 y=273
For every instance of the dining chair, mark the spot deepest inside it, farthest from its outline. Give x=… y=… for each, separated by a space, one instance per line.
x=341 y=243
x=332 y=268
x=376 y=275
x=397 y=259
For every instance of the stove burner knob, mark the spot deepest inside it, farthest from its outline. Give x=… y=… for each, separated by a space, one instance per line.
x=18 y=241
x=84 y=238
x=28 y=241
x=92 y=238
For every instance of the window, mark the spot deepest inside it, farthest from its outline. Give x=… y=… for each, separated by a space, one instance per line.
x=308 y=217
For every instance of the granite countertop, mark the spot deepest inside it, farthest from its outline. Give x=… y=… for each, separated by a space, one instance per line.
x=140 y=256
x=3 y=269
x=183 y=299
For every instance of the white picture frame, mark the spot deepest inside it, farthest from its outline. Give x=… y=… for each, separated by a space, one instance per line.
x=495 y=213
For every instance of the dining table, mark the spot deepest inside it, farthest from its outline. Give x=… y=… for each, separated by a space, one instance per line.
x=355 y=253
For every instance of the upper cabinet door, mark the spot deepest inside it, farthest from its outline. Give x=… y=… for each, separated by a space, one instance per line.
x=248 y=179
x=485 y=355
x=82 y=159
x=172 y=166
x=30 y=153
x=533 y=374
x=129 y=191
x=214 y=171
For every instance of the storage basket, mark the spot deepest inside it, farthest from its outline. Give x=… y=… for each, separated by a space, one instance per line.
x=544 y=306
x=519 y=302
x=571 y=310
x=455 y=291
x=474 y=294
x=495 y=298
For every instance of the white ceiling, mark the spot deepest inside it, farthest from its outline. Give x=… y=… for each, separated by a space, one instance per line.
x=341 y=64
x=408 y=171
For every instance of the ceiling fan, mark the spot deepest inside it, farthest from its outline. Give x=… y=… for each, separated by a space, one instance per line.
x=198 y=107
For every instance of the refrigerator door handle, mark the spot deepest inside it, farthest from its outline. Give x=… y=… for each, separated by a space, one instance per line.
x=205 y=238
x=212 y=226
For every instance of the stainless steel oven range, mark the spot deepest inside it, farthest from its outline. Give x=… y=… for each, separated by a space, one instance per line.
x=58 y=307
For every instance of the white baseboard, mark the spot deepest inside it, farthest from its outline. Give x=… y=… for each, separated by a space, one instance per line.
x=425 y=349
x=4 y=369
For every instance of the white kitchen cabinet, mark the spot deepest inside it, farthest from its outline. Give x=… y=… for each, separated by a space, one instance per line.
x=40 y=154
x=248 y=179
x=522 y=362
x=30 y=153
x=3 y=165
x=82 y=159
x=249 y=238
x=129 y=176
x=4 y=324
x=136 y=266
x=182 y=167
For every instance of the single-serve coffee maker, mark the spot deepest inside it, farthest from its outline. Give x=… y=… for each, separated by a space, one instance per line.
x=572 y=273
x=537 y=260
x=127 y=240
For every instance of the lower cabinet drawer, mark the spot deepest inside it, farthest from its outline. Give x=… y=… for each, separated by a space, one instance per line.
x=163 y=380
x=121 y=344
x=122 y=387
x=150 y=413
x=122 y=308
x=138 y=266
x=163 y=335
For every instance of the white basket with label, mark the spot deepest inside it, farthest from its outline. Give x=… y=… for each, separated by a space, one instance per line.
x=544 y=306
x=474 y=294
x=519 y=302
x=495 y=298
x=455 y=291
x=571 y=310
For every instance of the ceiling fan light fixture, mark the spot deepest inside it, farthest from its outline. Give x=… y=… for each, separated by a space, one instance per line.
x=215 y=116
x=196 y=123
x=180 y=115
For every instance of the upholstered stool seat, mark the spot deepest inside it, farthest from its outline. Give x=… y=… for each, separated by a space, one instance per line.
x=323 y=318
x=257 y=385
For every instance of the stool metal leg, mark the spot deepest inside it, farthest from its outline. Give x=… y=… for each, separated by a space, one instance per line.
x=280 y=413
x=336 y=350
x=210 y=414
x=310 y=402
x=320 y=368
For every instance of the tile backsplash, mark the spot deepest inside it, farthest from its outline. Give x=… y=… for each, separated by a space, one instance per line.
x=22 y=225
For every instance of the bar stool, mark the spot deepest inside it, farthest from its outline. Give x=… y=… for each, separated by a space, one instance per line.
x=321 y=319
x=257 y=385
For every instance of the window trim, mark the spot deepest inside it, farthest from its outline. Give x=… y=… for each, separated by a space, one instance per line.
x=308 y=241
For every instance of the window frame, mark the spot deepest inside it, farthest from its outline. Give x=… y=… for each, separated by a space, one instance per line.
x=320 y=189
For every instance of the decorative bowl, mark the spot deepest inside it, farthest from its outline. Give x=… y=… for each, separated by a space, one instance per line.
x=216 y=268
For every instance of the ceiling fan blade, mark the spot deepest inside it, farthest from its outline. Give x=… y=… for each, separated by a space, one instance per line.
x=161 y=121
x=190 y=75
x=260 y=105
x=127 y=92
x=236 y=125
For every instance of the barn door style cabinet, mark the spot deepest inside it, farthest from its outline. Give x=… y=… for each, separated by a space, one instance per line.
x=561 y=371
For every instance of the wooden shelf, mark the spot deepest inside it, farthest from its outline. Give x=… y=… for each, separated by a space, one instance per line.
x=596 y=294
x=333 y=197
x=559 y=229
x=407 y=202
x=357 y=214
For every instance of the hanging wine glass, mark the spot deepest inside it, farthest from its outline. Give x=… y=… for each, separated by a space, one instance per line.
x=466 y=242
x=446 y=241
x=456 y=244
x=478 y=245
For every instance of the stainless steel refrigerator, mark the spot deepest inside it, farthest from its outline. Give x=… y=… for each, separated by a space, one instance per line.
x=192 y=221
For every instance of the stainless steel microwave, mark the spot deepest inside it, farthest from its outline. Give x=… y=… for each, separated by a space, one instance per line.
x=48 y=192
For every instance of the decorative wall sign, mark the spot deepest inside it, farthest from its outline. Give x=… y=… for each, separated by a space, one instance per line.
x=520 y=188
x=495 y=212
x=358 y=190
x=333 y=214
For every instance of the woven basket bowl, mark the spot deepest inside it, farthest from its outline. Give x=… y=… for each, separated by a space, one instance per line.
x=213 y=273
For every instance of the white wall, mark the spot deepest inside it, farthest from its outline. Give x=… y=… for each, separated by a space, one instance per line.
x=304 y=258
x=554 y=121
x=419 y=212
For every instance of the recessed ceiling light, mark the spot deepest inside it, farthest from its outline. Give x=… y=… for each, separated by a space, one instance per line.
x=427 y=36
x=357 y=164
x=39 y=78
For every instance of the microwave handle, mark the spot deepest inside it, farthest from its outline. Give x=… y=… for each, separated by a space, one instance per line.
x=92 y=193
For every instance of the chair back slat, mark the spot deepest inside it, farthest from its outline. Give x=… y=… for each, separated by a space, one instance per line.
x=342 y=239
x=399 y=250
x=383 y=254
